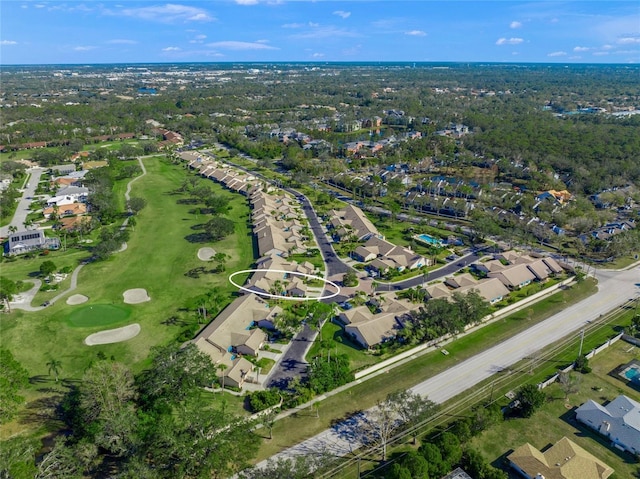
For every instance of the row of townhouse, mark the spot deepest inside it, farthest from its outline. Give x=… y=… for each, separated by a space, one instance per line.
x=351 y=222
x=280 y=229
x=370 y=328
x=232 y=335
x=277 y=224
x=231 y=178
x=383 y=256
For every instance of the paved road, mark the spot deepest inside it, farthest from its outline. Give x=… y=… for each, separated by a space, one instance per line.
x=25 y=202
x=292 y=364
x=614 y=289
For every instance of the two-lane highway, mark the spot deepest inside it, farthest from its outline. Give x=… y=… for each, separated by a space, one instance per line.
x=614 y=289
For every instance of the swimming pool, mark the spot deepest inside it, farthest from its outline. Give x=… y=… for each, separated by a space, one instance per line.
x=633 y=373
x=429 y=240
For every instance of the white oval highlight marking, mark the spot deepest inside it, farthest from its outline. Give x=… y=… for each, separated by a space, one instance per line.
x=277 y=296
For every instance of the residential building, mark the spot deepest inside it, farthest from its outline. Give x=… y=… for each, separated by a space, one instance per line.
x=352 y=221
x=619 y=421
x=514 y=276
x=22 y=242
x=564 y=460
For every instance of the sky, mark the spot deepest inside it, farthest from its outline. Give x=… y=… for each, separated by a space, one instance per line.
x=127 y=31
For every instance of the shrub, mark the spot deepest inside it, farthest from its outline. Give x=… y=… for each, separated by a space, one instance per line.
x=261 y=400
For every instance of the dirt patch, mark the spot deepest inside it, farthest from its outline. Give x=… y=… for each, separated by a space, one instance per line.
x=113 y=335
x=135 y=296
x=205 y=254
x=77 y=299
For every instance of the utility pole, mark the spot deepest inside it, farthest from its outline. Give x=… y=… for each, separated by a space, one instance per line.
x=581 y=342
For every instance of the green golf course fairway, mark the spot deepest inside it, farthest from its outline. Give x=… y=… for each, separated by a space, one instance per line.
x=98 y=315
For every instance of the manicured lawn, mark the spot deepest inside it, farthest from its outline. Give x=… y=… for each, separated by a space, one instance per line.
x=556 y=418
x=98 y=315
x=157 y=258
x=334 y=340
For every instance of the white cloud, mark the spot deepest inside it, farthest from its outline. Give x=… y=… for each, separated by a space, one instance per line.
x=171 y=49
x=509 y=41
x=83 y=48
x=122 y=41
x=342 y=13
x=262 y=41
x=325 y=32
x=169 y=13
x=581 y=49
x=600 y=54
x=416 y=33
x=515 y=24
x=628 y=40
x=557 y=54
x=8 y=42
x=317 y=55
x=606 y=47
x=293 y=25
x=39 y=5
x=234 y=45
x=198 y=39
x=247 y=2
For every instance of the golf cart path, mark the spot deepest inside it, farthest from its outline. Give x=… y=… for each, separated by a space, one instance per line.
x=27 y=296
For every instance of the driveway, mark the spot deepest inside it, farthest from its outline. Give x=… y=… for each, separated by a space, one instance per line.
x=292 y=363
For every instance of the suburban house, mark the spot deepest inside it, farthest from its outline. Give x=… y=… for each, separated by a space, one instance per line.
x=63 y=169
x=72 y=209
x=238 y=374
x=232 y=334
x=368 y=328
x=564 y=460
x=619 y=421
x=74 y=223
x=491 y=290
x=387 y=256
x=352 y=221
x=69 y=195
x=29 y=240
x=438 y=290
x=514 y=276
x=275 y=271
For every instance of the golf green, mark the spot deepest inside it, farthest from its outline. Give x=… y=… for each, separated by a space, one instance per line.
x=98 y=315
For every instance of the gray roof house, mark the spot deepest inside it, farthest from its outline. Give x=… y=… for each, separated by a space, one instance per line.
x=619 y=421
x=29 y=240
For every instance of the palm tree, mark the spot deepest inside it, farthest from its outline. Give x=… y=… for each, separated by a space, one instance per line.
x=222 y=367
x=54 y=365
x=13 y=229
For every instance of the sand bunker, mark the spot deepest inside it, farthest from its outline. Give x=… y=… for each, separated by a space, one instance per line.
x=113 y=335
x=77 y=299
x=135 y=296
x=205 y=254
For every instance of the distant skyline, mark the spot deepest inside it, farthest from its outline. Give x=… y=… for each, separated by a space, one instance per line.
x=546 y=31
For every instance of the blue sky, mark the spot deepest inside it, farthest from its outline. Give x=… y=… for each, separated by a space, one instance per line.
x=322 y=30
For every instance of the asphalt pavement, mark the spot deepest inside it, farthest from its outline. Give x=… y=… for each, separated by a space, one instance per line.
x=24 y=204
x=614 y=289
